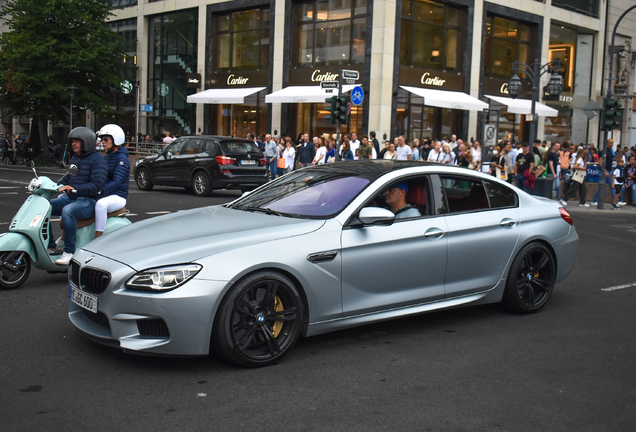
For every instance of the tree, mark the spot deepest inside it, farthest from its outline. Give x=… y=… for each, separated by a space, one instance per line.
x=51 y=47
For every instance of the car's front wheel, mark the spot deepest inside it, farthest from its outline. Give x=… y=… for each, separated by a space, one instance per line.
x=143 y=179
x=14 y=269
x=259 y=320
x=201 y=184
x=531 y=279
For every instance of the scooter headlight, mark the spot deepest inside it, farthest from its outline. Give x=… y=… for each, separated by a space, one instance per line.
x=34 y=185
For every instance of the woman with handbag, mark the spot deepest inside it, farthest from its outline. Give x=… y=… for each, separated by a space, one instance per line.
x=289 y=155
x=578 y=178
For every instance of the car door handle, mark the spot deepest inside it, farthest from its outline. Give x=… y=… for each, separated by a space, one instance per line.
x=433 y=232
x=507 y=223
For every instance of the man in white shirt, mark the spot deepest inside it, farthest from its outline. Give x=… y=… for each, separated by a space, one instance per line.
x=403 y=151
x=354 y=144
x=167 y=140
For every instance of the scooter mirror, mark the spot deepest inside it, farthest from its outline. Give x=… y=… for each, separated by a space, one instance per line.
x=72 y=170
x=33 y=168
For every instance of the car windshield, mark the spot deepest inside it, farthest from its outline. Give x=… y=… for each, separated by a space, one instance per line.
x=239 y=147
x=317 y=193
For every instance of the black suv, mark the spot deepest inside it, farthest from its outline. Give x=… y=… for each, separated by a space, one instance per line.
x=204 y=163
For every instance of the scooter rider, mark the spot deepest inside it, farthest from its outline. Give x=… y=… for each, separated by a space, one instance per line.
x=115 y=190
x=79 y=192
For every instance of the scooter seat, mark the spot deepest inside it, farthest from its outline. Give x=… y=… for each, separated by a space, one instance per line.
x=81 y=223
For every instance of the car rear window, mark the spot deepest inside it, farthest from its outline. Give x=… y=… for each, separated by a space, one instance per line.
x=239 y=147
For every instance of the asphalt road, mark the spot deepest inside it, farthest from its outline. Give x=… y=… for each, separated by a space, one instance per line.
x=568 y=368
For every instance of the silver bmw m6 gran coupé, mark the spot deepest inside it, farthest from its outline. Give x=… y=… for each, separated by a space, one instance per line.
x=307 y=254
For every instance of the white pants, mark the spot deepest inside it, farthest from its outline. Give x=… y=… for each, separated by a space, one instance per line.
x=106 y=205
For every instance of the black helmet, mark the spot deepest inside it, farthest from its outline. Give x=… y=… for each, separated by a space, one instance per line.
x=86 y=135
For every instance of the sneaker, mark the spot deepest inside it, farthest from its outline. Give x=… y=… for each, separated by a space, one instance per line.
x=621 y=203
x=580 y=205
x=65 y=259
x=614 y=206
x=59 y=243
x=563 y=203
x=594 y=203
x=55 y=251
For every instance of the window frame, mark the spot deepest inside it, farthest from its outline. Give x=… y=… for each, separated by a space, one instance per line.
x=263 y=59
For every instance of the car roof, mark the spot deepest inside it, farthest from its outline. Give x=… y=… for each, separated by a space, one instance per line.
x=217 y=137
x=372 y=168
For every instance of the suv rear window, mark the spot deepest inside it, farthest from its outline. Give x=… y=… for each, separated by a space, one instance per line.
x=239 y=147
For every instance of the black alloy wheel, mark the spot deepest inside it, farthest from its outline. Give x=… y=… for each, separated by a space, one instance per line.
x=531 y=279
x=259 y=320
x=143 y=179
x=201 y=184
x=15 y=271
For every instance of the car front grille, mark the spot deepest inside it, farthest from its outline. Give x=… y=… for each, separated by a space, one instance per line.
x=153 y=328
x=98 y=318
x=94 y=281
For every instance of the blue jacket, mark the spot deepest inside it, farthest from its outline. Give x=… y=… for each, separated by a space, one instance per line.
x=118 y=173
x=91 y=176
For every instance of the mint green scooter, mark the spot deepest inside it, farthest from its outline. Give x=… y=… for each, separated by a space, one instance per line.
x=28 y=237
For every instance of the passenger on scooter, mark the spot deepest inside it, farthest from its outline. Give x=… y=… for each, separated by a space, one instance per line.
x=115 y=190
x=79 y=192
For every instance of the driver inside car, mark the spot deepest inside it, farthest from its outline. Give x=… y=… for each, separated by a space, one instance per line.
x=395 y=197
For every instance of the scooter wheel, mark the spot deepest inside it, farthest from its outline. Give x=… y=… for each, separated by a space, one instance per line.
x=15 y=273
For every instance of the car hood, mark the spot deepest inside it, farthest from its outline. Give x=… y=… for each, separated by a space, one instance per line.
x=188 y=235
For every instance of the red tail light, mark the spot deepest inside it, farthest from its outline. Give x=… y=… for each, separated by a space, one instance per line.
x=263 y=161
x=566 y=216
x=225 y=160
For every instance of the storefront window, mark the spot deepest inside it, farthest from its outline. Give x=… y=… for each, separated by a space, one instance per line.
x=242 y=40
x=329 y=32
x=506 y=41
x=239 y=120
x=172 y=54
x=431 y=35
x=415 y=120
x=311 y=118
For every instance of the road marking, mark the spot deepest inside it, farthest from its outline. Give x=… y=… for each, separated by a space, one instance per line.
x=158 y=212
x=619 y=287
x=9 y=187
x=8 y=193
x=622 y=226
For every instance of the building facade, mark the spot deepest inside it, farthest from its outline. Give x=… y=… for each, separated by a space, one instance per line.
x=427 y=67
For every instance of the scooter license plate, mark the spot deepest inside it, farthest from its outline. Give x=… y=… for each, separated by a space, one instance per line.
x=84 y=300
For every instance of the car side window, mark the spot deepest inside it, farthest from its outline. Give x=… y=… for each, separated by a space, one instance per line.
x=500 y=196
x=417 y=195
x=174 y=148
x=192 y=147
x=464 y=194
x=209 y=147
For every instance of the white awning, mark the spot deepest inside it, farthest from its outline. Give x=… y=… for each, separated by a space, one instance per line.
x=524 y=106
x=448 y=99
x=224 y=95
x=304 y=94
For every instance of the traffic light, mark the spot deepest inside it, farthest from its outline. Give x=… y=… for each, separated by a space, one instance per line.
x=331 y=109
x=341 y=109
x=610 y=118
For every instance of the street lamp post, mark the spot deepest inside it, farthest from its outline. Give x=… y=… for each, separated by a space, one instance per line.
x=534 y=73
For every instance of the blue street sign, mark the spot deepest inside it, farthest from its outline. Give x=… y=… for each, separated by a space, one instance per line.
x=357 y=95
x=146 y=108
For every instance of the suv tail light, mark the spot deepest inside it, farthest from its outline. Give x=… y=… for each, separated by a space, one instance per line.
x=225 y=160
x=566 y=216
x=263 y=161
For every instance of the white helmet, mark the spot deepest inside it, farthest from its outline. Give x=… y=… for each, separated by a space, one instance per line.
x=119 y=138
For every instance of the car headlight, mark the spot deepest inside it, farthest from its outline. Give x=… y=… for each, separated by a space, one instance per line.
x=163 y=278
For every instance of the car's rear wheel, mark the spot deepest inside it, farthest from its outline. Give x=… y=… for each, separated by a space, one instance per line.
x=259 y=320
x=143 y=179
x=531 y=279
x=15 y=271
x=201 y=184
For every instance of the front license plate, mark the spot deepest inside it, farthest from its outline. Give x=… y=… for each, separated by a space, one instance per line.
x=84 y=300
x=248 y=162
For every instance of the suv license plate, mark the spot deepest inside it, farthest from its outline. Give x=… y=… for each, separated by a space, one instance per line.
x=248 y=162
x=84 y=300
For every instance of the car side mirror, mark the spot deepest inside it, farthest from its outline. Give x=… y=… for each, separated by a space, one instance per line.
x=168 y=156
x=376 y=216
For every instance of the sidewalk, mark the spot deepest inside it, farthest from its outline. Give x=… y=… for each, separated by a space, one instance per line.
x=573 y=206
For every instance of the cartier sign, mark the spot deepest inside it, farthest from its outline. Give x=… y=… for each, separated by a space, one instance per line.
x=232 y=80
x=504 y=88
x=193 y=80
x=434 y=81
x=327 y=76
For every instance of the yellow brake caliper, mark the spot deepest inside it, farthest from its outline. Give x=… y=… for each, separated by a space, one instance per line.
x=278 y=325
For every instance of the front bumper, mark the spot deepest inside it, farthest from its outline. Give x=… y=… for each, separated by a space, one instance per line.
x=177 y=322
